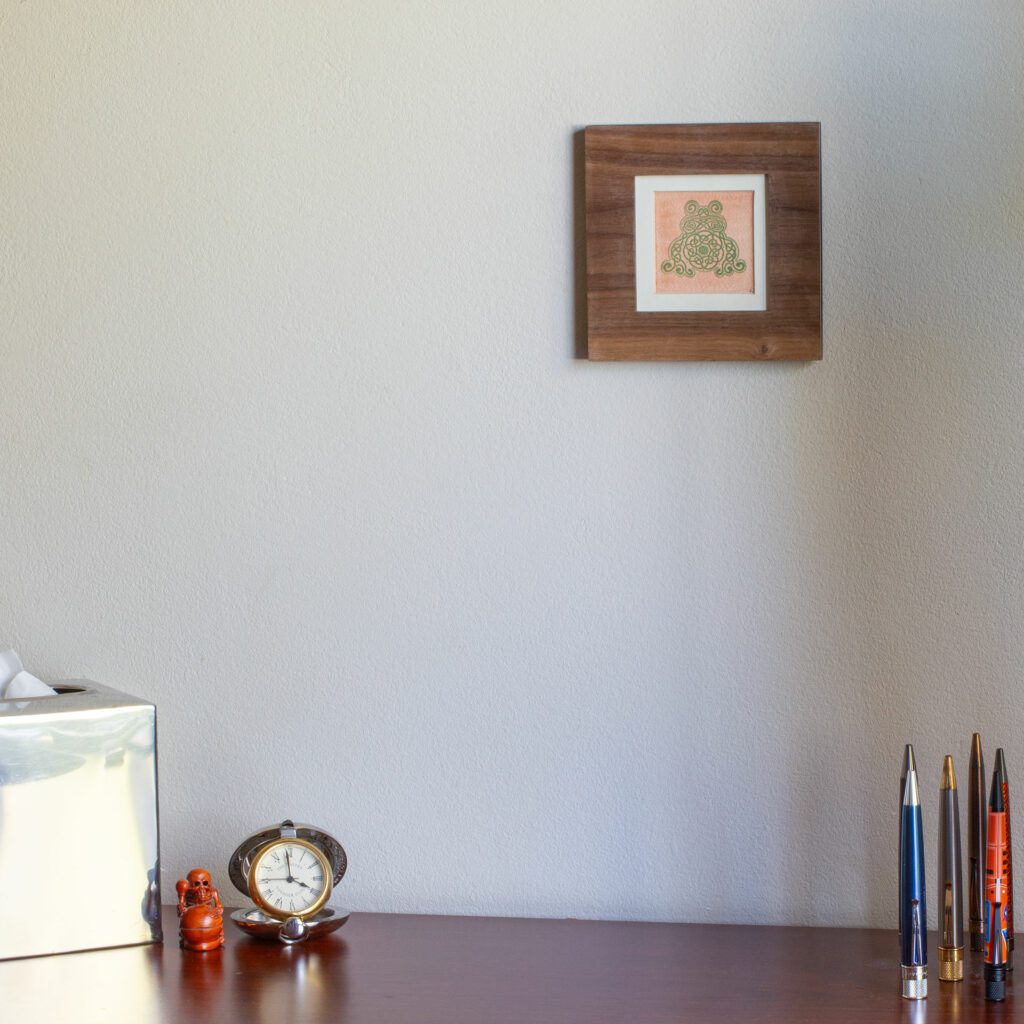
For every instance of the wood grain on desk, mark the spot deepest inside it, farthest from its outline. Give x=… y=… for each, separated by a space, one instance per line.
x=408 y=969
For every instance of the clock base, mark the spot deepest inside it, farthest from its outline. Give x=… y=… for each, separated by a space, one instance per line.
x=262 y=926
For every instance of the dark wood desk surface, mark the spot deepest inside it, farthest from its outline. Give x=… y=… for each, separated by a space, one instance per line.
x=407 y=969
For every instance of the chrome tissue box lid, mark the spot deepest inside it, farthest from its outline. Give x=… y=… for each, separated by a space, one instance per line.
x=79 y=832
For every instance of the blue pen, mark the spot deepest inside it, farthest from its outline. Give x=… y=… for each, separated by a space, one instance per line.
x=908 y=764
x=913 y=920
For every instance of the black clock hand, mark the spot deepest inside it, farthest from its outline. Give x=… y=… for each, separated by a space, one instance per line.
x=297 y=881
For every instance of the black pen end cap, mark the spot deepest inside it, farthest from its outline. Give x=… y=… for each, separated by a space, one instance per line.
x=995 y=983
x=977 y=942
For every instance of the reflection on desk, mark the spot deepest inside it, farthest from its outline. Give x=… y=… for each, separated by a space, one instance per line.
x=409 y=969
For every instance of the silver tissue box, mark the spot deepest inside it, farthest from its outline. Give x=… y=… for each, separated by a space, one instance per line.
x=79 y=835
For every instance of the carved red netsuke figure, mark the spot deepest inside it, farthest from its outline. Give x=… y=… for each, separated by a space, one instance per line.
x=200 y=912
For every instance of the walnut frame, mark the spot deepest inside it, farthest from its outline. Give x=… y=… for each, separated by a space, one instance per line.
x=789 y=156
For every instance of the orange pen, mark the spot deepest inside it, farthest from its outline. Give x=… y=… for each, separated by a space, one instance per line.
x=1005 y=781
x=996 y=907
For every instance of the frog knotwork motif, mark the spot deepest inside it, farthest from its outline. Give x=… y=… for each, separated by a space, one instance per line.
x=703 y=244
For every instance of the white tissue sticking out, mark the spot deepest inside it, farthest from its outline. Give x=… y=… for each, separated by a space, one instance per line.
x=16 y=683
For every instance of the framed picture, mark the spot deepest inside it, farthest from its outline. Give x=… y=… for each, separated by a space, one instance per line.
x=703 y=242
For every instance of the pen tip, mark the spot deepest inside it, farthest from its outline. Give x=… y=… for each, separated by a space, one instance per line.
x=976 y=748
x=909 y=764
x=995 y=801
x=948 y=775
x=1000 y=761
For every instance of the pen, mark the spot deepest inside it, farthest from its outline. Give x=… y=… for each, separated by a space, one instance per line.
x=995 y=894
x=976 y=815
x=1005 y=780
x=913 y=920
x=950 y=902
x=909 y=764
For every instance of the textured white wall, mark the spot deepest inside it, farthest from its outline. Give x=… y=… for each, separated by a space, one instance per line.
x=295 y=443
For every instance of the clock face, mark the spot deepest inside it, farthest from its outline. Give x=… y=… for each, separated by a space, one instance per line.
x=290 y=878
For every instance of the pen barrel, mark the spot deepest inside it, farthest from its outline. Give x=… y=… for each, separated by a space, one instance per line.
x=1009 y=867
x=913 y=918
x=996 y=911
x=977 y=813
x=909 y=765
x=950 y=905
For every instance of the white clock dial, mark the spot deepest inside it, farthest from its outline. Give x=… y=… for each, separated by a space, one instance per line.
x=290 y=878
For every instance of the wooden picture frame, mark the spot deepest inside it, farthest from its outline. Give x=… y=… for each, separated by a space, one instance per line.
x=740 y=279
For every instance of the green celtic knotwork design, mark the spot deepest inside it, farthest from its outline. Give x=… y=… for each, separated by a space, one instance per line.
x=703 y=244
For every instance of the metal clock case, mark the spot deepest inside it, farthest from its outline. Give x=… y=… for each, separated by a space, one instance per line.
x=289 y=871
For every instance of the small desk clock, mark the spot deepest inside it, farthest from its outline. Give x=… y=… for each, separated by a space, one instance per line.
x=289 y=871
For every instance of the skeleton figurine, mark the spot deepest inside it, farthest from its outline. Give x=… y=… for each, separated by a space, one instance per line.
x=200 y=912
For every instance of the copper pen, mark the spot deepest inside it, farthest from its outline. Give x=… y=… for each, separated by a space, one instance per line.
x=976 y=820
x=951 y=901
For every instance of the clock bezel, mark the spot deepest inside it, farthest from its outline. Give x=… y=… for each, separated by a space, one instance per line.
x=274 y=911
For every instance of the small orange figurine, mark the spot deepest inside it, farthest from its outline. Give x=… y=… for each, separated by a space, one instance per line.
x=200 y=912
